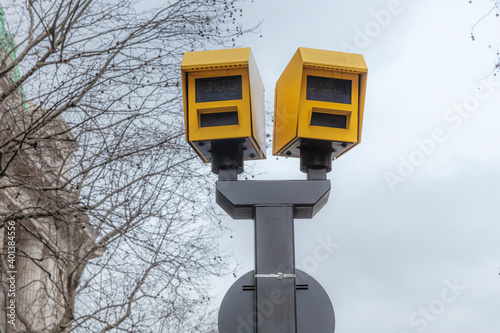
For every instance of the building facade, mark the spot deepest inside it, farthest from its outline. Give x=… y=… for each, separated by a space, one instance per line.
x=45 y=239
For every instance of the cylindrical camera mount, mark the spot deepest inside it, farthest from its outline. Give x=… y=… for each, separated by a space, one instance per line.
x=227 y=155
x=315 y=157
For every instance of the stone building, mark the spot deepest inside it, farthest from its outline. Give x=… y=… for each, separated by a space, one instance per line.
x=38 y=211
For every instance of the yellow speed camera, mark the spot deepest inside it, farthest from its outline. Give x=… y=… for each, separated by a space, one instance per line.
x=320 y=96
x=223 y=100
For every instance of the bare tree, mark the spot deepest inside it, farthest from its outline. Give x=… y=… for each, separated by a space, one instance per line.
x=112 y=215
x=493 y=12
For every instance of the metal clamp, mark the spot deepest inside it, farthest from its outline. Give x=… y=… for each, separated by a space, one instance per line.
x=279 y=276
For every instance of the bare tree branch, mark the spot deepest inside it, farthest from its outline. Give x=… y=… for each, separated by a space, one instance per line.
x=114 y=218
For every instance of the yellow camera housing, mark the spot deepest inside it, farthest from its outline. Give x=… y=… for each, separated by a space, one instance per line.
x=320 y=95
x=223 y=99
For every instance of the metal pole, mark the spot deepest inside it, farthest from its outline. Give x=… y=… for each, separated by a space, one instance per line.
x=275 y=270
x=273 y=205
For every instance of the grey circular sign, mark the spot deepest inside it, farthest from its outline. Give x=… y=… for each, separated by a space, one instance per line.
x=314 y=309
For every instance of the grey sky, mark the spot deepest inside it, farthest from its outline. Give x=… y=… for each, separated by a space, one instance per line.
x=422 y=254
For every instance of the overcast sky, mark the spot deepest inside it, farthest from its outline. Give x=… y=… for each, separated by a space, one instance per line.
x=413 y=219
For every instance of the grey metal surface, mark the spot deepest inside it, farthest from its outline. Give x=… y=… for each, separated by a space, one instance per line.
x=274 y=253
x=314 y=309
x=205 y=148
x=294 y=149
x=239 y=198
x=315 y=174
x=274 y=242
x=228 y=174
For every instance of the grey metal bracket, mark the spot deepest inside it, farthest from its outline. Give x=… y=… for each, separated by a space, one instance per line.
x=239 y=198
